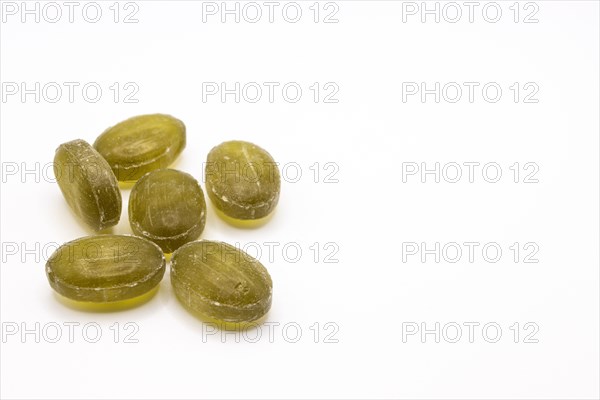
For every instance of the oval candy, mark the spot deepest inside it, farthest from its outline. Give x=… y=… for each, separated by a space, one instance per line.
x=242 y=180
x=221 y=282
x=88 y=184
x=141 y=144
x=105 y=268
x=167 y=207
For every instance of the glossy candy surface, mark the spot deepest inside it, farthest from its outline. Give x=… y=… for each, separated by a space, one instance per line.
x=141 y=144
x=167 y=207
x=242 y=180
x=88 y=184
x=220 y=282
x=105 y=268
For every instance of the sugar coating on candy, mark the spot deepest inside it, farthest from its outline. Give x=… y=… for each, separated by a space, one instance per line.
x=221 y=282
x=167 y=207
x=142 y=144
x=105 y=268
x=242 y=180
x=88 y=184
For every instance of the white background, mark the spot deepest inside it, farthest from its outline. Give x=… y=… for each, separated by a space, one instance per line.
x=370 y=294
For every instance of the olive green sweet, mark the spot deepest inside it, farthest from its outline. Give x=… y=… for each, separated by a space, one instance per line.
x=167 y=207
x=88 y=184
x=105 y=268
x=242 y=180
x=141 y=144
x=220 y=282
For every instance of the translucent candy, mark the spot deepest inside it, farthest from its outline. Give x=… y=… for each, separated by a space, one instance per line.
x=105 y=268
x=242 y=180
x=167 y=207
x=141 y=144
x=88 y=184
x=220 y=282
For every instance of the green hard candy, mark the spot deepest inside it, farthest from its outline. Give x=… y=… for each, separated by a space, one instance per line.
x=167 y=207
x=242 y=180
x=88 y=184
x=221 y=282
x=141 y=144
x=105 y=268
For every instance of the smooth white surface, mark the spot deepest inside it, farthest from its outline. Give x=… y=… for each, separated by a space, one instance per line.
x=368 y=214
